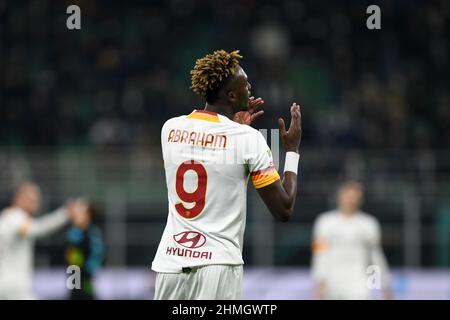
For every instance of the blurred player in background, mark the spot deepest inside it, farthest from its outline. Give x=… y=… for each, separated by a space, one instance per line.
x=346 y=241
x=208 y=159
x=18 y=231
x=85 y=249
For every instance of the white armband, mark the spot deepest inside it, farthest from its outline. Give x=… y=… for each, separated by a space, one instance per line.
x=291 y=163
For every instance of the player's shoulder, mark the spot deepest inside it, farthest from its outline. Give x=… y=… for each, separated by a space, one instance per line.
x=368 y=218
x=12 y=214
x=249 y=129
x=10 y=211
x=172 y=121
x=249 y=133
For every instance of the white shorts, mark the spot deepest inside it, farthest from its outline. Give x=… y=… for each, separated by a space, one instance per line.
x=346 y=290
x=213 y=282
x=16 y=294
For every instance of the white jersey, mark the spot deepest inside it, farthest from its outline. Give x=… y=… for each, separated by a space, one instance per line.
x=16 y=251
x=343 y=249
x=208 y=159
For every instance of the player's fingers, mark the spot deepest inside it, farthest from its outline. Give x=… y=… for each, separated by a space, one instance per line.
x=299 y=111
x=294 y=116
x=295 y=112
x=250 y=103
x=256 y=103
x=282 y=126
x=257 y=115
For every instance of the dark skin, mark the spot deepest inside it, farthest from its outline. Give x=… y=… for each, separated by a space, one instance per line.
x=235 y=102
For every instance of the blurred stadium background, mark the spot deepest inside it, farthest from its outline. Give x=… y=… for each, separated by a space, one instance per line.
x=80 y=113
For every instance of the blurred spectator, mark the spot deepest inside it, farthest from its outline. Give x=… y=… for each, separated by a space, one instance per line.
x=85 y=249
x=128 y=69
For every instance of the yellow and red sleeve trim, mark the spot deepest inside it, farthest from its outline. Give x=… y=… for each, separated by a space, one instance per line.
x=204 y=115
x=319 y=246
x=262 y=178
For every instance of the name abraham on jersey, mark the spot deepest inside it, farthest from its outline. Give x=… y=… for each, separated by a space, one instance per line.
x=196 y=138
x=189 y=240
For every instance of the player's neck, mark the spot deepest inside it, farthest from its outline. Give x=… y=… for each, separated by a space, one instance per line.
x=348 y=212
x=222 y=109
x=21 y=207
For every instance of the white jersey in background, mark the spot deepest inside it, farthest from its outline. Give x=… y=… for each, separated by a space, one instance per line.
x=208 y=159
x=343 y=248
x=17 y=251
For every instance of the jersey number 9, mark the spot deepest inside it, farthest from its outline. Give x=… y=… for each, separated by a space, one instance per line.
x=197 y=196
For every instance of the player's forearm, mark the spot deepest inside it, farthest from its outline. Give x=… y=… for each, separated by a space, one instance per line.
x=48 y=223
x=279 y=196
x=282 y=205
x=289 y=184
x=291 y=142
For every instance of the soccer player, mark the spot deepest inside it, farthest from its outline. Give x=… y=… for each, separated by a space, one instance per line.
x=18 y=230
x=346 y=241
x=208 y=157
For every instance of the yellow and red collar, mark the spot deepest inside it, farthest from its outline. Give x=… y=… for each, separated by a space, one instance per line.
x=204 y=115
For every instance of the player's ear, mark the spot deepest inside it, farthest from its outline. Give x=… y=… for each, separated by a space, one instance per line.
x=231 y=96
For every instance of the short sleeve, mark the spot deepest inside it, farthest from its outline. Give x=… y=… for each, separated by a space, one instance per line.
x=319 y=242
x=260 y=161
x=167 y=132
x=373 y=233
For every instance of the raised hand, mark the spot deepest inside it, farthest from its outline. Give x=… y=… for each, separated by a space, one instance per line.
x=292 y=137
x=247 y=117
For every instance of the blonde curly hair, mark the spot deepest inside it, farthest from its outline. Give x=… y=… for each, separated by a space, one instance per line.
x=210 y=71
